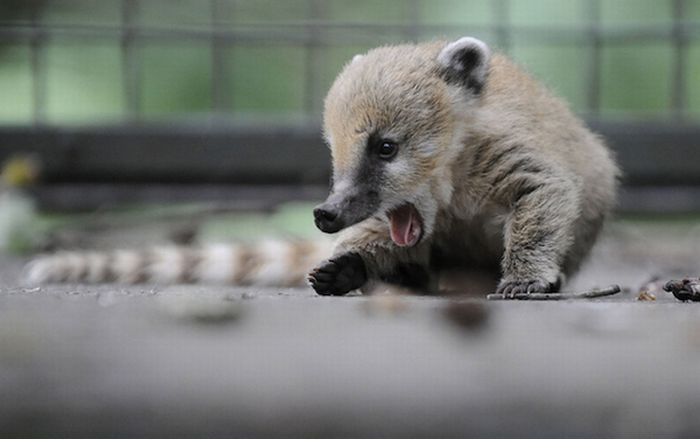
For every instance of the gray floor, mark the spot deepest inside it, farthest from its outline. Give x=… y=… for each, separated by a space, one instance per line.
x=197 y=361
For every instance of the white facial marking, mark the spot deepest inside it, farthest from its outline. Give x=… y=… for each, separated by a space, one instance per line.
x=427 y=207
x=399 y=166
x=342 y=185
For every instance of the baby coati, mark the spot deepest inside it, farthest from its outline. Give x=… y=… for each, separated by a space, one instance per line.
x=447 y=156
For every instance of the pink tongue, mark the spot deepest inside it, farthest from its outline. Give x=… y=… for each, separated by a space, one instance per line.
x=405 y=225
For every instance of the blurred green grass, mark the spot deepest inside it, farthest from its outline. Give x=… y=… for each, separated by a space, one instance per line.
x=145 y=224
x=85 y=82
x=288 y=221
x=292 y=220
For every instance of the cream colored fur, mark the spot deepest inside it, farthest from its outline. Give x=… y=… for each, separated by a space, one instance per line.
x=504 y=177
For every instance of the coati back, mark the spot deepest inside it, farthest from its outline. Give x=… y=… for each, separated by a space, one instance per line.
x=445 y=156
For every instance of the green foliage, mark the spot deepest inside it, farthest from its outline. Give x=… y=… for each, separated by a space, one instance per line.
x=369 y=11
x=293 y=220
x=267 y=79
x=15 y=84
x=548 y=13
x=562 y=67
x=631 y=83
x=175 y=79
x=627 y=12
x=83 y=83
x=692 y=73
x=466 y=12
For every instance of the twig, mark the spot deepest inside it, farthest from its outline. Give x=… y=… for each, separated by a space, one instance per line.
x=609 y=291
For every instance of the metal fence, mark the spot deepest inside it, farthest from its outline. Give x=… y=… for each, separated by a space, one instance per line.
x=661 y=150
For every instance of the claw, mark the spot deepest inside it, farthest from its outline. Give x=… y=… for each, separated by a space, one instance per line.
x=511 y=290
x=538 y=287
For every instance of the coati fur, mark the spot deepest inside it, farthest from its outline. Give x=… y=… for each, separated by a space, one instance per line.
x=446 y=156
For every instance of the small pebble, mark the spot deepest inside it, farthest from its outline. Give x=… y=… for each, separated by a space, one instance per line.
x=646 y=296
x=106 y=299
x=205 y=310
x=385 y=303
x=467 y=314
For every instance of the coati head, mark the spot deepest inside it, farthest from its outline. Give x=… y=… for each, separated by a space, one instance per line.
x=395 y=121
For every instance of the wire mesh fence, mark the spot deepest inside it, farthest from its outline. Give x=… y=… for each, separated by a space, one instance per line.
x=230 y=72
x=310 y=40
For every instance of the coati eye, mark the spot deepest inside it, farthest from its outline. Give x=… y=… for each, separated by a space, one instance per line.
x=387 y=149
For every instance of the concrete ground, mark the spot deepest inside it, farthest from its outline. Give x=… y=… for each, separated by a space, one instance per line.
x=202 y=361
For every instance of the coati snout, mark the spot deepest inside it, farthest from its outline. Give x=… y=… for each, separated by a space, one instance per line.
x=345 y=206
x=357 y=197
x=344 y=209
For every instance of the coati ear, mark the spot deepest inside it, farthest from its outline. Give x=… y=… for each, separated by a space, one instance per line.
x=466 y=62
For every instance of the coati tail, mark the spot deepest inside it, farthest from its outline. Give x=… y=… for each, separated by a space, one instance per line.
x=268 y=263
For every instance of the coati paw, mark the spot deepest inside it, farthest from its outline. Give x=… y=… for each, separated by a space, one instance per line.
x=338 y=276
x=510 y=289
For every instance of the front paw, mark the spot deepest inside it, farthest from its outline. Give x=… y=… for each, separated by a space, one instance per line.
x=339 y=275
x=512 y=288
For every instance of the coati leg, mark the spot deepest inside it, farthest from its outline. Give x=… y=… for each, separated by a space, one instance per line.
x=339 y=275
x=342 y=274
x=538 y=237
x=364 y=255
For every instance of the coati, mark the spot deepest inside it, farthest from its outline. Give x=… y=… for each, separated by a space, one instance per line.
x=445 y=156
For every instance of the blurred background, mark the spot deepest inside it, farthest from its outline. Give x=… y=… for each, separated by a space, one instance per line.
x=125 y=123
x=214 y=106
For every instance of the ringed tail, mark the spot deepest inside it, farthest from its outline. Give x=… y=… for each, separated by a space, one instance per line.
x=268 y=263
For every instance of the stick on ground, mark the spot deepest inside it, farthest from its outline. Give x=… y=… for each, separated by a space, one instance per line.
x=599 y=292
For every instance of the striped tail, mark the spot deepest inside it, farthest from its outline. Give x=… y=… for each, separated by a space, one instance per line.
x=268 y=263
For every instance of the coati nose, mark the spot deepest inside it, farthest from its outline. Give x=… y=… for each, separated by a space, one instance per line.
x=327 y=219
